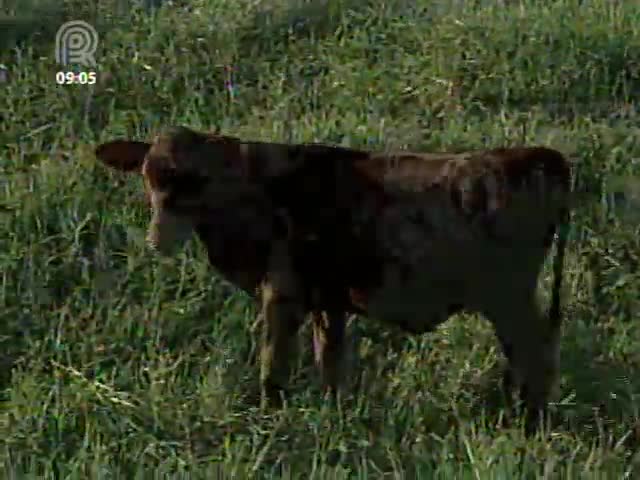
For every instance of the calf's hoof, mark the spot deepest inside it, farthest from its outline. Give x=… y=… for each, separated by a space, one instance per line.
x=535 y=420
x=272 y=396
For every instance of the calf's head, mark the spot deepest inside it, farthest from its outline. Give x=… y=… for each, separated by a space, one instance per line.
x=186 y=174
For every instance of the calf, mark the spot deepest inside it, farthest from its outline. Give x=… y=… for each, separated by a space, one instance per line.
x=404 y=237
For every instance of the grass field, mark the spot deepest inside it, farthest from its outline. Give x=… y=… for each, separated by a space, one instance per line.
x=115 y=364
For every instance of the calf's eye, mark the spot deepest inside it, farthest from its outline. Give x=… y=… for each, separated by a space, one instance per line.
x=188 y=184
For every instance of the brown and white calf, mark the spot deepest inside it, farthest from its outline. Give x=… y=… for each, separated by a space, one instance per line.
x=407 y=238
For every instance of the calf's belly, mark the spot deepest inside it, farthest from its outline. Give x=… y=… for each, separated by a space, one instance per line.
x=416 y=302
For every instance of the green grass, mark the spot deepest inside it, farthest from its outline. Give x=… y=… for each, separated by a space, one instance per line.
x=114 y=363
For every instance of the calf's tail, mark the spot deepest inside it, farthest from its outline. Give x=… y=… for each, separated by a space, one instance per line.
x=555 y=314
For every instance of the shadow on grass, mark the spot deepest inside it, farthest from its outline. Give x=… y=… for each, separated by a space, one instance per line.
x=33 y=23
x=599 y=388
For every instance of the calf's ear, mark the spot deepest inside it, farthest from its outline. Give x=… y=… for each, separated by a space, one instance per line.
x=123 y=155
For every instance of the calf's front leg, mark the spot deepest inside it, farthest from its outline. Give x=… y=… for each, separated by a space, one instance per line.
x=282 y=315
x=329 y=347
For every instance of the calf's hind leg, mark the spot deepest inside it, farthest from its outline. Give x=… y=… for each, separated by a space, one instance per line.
x=532 y=348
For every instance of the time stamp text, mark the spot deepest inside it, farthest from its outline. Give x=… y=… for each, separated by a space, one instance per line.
x=76 y=78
